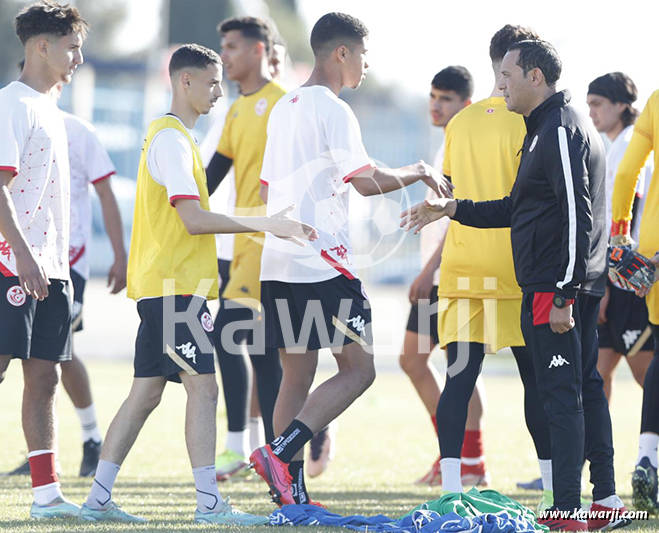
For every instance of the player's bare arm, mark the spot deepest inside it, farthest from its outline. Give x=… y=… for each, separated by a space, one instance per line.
x=428 y=211
x=382 y=180
x=114 y=228
x=32 y=277
x=198 y=221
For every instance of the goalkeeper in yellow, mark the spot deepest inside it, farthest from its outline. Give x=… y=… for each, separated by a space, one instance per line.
x=644 y=141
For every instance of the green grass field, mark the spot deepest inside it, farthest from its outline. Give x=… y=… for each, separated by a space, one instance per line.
x=385 y=442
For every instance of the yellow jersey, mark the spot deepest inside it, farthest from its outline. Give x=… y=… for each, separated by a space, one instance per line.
x=481 y=157
x=243 y=141
x=644 y=140
x=161 y=247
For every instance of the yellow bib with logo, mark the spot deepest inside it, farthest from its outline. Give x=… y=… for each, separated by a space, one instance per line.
x=161 y=248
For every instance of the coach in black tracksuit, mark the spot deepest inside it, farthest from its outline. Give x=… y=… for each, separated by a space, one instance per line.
x=557 y=215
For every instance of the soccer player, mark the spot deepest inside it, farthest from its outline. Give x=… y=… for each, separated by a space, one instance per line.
x=34 y=234
x=89 y=164
x=560 y=184
x=246 y=49
x=450 y=91
x=313 y=154
x=171 y=271
x=623 y=329
x=483 y=140
x=644 y=140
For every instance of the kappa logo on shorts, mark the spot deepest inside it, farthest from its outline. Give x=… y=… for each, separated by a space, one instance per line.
x=16 y=296
x=189 y=351
x=630 y=336
x=207 y=322
x=357 y=322
x=558 y=360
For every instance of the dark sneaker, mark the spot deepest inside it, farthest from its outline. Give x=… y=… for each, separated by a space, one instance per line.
x=91 y=453
x=21 y=470
x=536 y=484
x=644 y=486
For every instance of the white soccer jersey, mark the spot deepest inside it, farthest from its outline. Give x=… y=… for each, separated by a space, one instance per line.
x=430 y=234
x=33 y=145
x=613 y=157
x=314 y=148
x=90 y=163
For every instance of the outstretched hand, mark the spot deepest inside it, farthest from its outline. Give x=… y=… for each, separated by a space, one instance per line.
x=426 y=212
x=435 y=180
x=289 y=229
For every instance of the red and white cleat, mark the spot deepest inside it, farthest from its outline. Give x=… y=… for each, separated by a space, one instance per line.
x=602 y=518
x=434 y=476
x=475 y=475
x=275 y=473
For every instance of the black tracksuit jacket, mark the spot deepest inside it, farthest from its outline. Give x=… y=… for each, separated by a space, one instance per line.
x=557 y=207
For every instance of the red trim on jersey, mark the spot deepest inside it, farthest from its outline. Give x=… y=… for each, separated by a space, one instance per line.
x=182 y=197
x=542 y=302
x=13 y=169
x=355 y=172
x=42 y=468
x=104 y=177
x=6 y=272
x=77 y=256
x=263 y=182
x=336 y=265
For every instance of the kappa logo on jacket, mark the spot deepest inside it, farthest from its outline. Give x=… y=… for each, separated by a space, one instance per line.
x=558 y=360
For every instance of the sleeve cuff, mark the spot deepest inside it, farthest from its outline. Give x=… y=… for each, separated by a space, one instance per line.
x=620 y=227
x=104 y=177
x=354 y=173
x=13 y=169
x=459 y=210
x=172 y=199
x=568 y=294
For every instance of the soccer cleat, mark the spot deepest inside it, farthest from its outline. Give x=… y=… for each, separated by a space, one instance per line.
x=91 y=453
x=229 y=515
x=612 y=522
x=230 y=464
x=644 y=487
x=536 y=484
x=24 y=469
x=561 y=524
x=434 y=476
x=275 y=473
x=322 y=449
x=546 y=503
x=58 y=508
x=475 y=475
x=110 y=513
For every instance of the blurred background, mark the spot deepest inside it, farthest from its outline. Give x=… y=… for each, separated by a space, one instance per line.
x=123 y=83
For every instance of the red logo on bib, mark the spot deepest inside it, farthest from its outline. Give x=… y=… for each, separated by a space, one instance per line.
x=16 y=296
x=207 y=322
x=490 y=111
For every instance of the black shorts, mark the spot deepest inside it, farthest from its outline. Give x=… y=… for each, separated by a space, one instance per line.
x=78 y=283
x=33 y=329
x=430 y=328
x=328 y=324
x=185 y=351
x=627 y=323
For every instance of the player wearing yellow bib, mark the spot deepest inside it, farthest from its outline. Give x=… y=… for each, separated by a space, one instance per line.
x=644 y=140
x=477 y=283
x=171 y=273
x=247 y=43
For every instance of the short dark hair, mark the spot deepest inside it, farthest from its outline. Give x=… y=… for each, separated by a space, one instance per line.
x=250 y=28
x=335 y=29
x=505 y=37
x=617 y=87
x=49 y=18
x=455 y=78
x=540 y=54
x=192 y=56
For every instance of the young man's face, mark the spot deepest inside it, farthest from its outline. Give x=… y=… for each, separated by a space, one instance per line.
x=278 y=61
x=444 y=105
x=64 y=55
x=356 y=65
x=205 y=87
x=240 y=55
x=517 y=88
x=605 y=114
